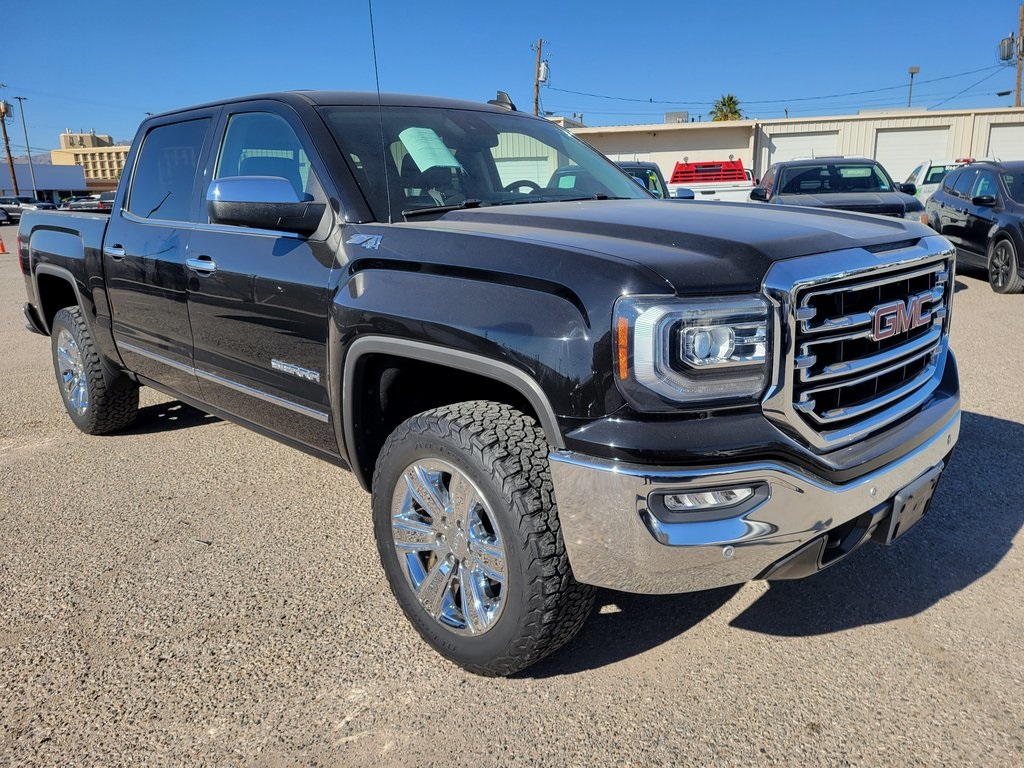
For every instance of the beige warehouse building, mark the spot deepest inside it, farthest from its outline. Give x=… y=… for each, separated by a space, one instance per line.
x=899 y=139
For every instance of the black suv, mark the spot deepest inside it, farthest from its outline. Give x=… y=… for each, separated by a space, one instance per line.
x=979 y=208
x=851 y=184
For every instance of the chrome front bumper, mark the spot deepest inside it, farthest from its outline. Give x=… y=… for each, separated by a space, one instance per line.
x=614 y=540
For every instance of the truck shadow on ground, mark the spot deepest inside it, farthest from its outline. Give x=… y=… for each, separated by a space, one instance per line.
x=970 y=528
x=974 y=517
x=167 y=417
x=624 y=625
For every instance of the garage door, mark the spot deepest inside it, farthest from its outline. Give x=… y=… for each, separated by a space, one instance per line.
x=901 y=150
x=1006 y=142
x=793 y=145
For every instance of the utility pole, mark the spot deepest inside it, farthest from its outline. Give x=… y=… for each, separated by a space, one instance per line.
x=536 y=76
x=31 y=170
x=5 y=109
x=1020 y=34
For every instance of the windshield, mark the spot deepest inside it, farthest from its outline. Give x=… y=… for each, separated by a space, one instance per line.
x=453 y=157
x=936 y=172
x=834 y=177
x=646 y=178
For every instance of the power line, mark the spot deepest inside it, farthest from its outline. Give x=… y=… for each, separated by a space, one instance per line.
x=965 y=90
x=779 y=101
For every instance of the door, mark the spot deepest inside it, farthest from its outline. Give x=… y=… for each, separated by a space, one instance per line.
x=790 y=146
x=259 y=300
x=1006 y=142
x=980 y=219
x=953 y=205
x=899 y=150
x=144 y=254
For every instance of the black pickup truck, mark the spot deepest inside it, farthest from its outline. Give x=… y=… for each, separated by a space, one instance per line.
x=546 y=389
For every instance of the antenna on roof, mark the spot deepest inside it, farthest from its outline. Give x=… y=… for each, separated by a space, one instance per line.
x=380 y=114
x=502 y=100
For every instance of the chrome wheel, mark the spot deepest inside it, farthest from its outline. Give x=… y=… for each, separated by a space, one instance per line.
x=71 y=370
x=449 y=547
x=1001 y=265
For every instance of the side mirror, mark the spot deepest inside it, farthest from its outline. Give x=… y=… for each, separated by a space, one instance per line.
x=907 y=189
x=759 y=193
x=683 y=193
x=263 y=202
x=984 y=201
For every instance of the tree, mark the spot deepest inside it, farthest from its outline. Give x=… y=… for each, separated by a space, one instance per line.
x=726 y=108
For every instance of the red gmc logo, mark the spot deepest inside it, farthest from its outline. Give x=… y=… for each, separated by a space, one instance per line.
x=899 y=317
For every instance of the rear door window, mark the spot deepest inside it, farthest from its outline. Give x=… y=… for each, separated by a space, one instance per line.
x=962 y=185
x=165 y=172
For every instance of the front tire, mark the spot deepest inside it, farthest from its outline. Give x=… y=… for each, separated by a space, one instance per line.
x=96 y=403
x=1004 y=267
x=468 y=534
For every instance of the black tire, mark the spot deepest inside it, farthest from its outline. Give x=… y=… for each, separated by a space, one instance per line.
x=538 y=606
x=98 y=402
x=1004 y=267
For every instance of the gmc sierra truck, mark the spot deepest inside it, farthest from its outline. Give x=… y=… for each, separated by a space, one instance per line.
x=546 y=389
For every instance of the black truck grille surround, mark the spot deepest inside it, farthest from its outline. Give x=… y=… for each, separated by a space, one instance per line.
x=868 y=344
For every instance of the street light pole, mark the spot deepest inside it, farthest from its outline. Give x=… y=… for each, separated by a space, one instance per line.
x=31 y=170
x=910 y=94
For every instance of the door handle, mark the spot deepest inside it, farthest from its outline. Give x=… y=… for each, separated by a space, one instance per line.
x=203 y=264
x=115 y=252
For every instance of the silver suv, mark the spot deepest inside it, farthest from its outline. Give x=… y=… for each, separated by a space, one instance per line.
x=13 y=206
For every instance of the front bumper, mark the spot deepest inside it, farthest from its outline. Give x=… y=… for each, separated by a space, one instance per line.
x=615 y=540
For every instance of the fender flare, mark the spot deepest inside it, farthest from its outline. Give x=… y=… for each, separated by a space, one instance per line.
x=66 y=275
x=502 y=372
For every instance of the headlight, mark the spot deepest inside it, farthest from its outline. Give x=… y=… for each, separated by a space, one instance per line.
x=919 y=216
x=671 y=352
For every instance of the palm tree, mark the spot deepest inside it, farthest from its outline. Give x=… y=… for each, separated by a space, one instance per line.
x=726 y=108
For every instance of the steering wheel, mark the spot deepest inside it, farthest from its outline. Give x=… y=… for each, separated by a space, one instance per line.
x=531 y=186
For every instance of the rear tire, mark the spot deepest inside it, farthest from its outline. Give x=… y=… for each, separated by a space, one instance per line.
x=1004 y=267
x=97 y=402
x=468 y=534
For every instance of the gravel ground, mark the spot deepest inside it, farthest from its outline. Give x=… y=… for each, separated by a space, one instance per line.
x=192 y=593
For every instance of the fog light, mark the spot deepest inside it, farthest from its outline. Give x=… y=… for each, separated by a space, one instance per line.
x=691 y=502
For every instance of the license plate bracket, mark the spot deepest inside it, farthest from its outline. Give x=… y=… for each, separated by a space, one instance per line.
x=909 y=506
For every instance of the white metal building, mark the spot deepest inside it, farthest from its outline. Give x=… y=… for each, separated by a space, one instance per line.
x=898 y=139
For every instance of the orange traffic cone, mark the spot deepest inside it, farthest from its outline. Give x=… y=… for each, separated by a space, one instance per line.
x=3 y=249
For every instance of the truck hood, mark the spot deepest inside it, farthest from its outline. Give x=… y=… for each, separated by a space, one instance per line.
x=694 y=246
x=883 y=203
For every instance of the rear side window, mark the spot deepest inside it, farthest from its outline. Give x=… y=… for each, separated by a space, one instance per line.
x=949 y=180
x=962 y=185
x=166 y=171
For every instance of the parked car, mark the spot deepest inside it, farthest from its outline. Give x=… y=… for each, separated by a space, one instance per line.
x=13 y=206
x=101 y=203
x=648 y=175
x=76 y=203
x=979 y=208
x=927 y=176
x=847 y=183
x=4 y=218
x=717 y=180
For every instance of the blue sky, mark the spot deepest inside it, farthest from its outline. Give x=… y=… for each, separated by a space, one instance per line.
x=82 y=68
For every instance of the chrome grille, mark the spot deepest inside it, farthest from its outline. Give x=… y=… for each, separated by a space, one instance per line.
x=868 y=344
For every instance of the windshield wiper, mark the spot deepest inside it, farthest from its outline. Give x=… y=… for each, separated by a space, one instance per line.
x=412 y=212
